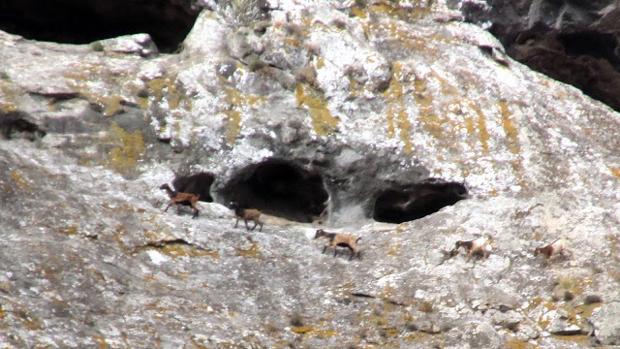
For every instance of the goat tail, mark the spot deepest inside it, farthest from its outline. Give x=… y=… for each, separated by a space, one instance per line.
x=358 y=239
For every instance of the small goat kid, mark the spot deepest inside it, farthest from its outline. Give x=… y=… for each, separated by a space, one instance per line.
x=556 y=247
x=340 y=240
x=177 y=198
x=247 y=214
x=479 y=247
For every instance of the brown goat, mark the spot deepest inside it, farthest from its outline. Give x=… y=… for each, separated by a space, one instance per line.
x=177 y=198
x=247 y=214
x=556 y=247
x=479 y=247
x=340 y=240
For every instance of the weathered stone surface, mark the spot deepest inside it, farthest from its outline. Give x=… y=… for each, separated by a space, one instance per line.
x=399 y=94
x=606 y=326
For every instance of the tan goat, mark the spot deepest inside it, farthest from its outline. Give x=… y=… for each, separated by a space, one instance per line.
x=340 y=240
x=177 y=198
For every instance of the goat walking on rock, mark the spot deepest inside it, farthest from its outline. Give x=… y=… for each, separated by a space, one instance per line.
x=340 y=240
x=247 y=214
x=177 y=198
x=557 y=247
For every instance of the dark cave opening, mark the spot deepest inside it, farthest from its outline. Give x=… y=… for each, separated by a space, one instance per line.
x=199 y=184
x=16 y=125
x=84 y=21
x=408 y=202
x=280 y=188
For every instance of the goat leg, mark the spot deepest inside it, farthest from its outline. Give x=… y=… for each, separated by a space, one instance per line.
x=237 y=222
x=255 y=224
x=167 y=207
x=247 y=227
x=324 y=249
x=261 y=227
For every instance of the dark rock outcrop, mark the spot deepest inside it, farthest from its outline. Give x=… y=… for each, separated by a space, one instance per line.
x=572 y=41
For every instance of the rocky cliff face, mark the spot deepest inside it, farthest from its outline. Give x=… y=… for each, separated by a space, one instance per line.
x=317 y=113
x=571 y=41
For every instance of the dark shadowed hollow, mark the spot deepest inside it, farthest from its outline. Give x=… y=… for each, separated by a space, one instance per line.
x=199 y=184
x=278 y=187
x=85 y=21
x=412 y=201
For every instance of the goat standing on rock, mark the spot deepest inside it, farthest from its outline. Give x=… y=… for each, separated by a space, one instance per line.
x=247 y=214
x=480 y=247
x=340 y=240
x=557 y=247
x=178 y=199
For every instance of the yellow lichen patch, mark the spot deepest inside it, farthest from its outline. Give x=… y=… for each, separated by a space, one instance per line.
x=574 y=285
x=432 y=123
x=586 y=310
x=233 y=125
x=320 y=62
x=390 y=332
x=31 y=323
x=292 y=42
x=323 y=122
x=302 y=329
x=236 y=101
x=535 y=302
x=101 y=342
x=8 y=94
x=394 y=250
x=183 y=250
x=420 y=9
x=129 y=150
x=578 y=339
x=425 y=307
x=481 y=125
x=69 y=230
x=469 y=125
x=315 y=332
x=251 y=252
x=512 y=134
x=2 y=313
x=613 y=243
x=357 y=11
x=512 y=140
x=514 y=343
x=85 y=72
x=197 y=345
x=18 y=178
x=142 y=102
x=615 y=171
x=111 y=104
x=416 y=337
x=396 y=112
x=168 y=88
